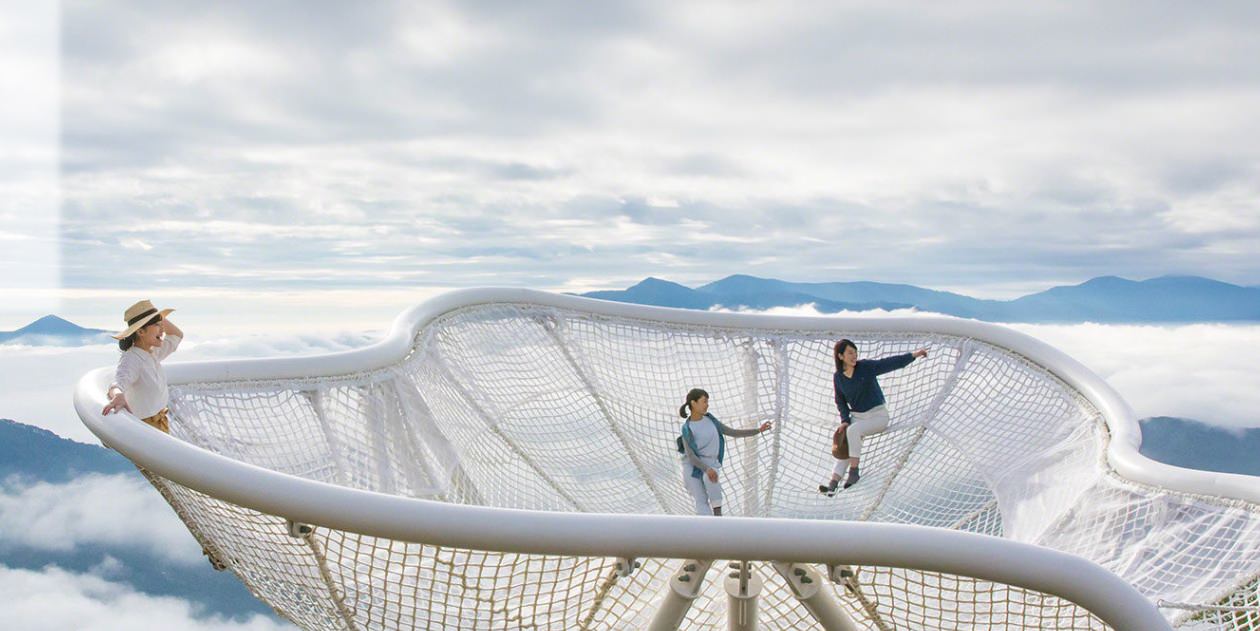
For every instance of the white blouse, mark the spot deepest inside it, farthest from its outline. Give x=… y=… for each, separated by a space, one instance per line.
x=141 y=378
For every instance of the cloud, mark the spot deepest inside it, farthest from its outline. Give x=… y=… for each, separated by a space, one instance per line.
x=119 y=511
x=37 y=387
x=135 y=244
x=1198 y=371
x=458 y=144
x=54 y=599
x=278 y=346
x=29 y=162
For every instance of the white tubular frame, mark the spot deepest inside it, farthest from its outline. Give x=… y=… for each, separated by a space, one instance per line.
x=658 y=536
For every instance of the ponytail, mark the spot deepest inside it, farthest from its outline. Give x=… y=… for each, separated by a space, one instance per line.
x=839 y=352
x=694 y=395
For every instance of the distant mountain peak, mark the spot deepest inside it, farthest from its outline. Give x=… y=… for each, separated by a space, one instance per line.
x=51 y=323
x=743 y=277
x=652 y=281
x=52 y=329
x=1106 y=280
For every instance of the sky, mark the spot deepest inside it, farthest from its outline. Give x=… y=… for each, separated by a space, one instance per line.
x=247 y=159
x=291 y=175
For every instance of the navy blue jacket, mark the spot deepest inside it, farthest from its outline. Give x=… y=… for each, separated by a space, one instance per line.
x=861 y=392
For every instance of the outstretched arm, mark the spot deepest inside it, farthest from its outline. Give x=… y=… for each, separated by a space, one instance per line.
x=741 y=433
x=895 y=362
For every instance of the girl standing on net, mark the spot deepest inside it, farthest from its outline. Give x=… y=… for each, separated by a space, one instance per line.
x=860 y=401
x=703 y=445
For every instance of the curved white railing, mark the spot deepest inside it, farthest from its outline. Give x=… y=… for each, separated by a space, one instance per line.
x=606 y=535
x=617 y=535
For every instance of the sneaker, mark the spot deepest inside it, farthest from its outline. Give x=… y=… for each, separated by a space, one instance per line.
x=852 y=478
x=829 y=489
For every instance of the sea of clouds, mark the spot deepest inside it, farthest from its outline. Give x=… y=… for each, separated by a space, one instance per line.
x=53 y=598
x=100 y=512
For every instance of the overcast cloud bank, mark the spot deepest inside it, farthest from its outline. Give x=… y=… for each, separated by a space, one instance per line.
x=986 y=147
x=52 y=599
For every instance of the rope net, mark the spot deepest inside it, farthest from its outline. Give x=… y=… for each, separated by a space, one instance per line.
x=543 y=408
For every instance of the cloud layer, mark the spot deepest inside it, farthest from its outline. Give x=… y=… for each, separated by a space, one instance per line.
x=53 y=599
x=1199 y=371
x=987 y=146
x=116 y=511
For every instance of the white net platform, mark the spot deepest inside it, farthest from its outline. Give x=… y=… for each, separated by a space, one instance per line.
x=546 y=408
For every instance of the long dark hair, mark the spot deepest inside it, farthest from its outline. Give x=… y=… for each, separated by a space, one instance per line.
x=126 y=343
x=695 y=395
x=840 y=348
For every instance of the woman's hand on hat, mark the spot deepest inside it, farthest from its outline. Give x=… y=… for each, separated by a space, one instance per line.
x=169 y=328
x=118 y=402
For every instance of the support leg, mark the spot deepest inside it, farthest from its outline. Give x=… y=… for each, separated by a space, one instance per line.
x=682 y=590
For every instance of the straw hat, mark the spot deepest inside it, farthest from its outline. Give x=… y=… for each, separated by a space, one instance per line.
x=138 y=315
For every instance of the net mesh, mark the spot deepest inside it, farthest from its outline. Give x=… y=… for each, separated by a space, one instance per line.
x=524 y=406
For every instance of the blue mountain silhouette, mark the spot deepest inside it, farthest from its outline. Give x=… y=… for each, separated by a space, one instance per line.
x=51 y=330
x=1168 y=299
x=762 y=295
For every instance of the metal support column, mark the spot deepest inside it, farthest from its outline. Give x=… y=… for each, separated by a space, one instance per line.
x=808 y=585
x=683 y=589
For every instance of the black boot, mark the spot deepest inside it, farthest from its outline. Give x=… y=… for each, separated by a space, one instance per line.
x=829 y=489
x=852 y=478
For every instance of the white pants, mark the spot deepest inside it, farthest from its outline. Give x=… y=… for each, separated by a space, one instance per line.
x=872 y=421
x=706 y=493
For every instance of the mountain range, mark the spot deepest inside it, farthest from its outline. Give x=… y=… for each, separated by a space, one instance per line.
x=51 y=330
x=1109 y=299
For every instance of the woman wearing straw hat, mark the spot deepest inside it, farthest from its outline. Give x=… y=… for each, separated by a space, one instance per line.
x=139 y=381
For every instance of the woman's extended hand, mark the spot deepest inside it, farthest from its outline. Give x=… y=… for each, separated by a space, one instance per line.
x=712 y=473
x=922 y=352
x=765 y=427
x=119 y=402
